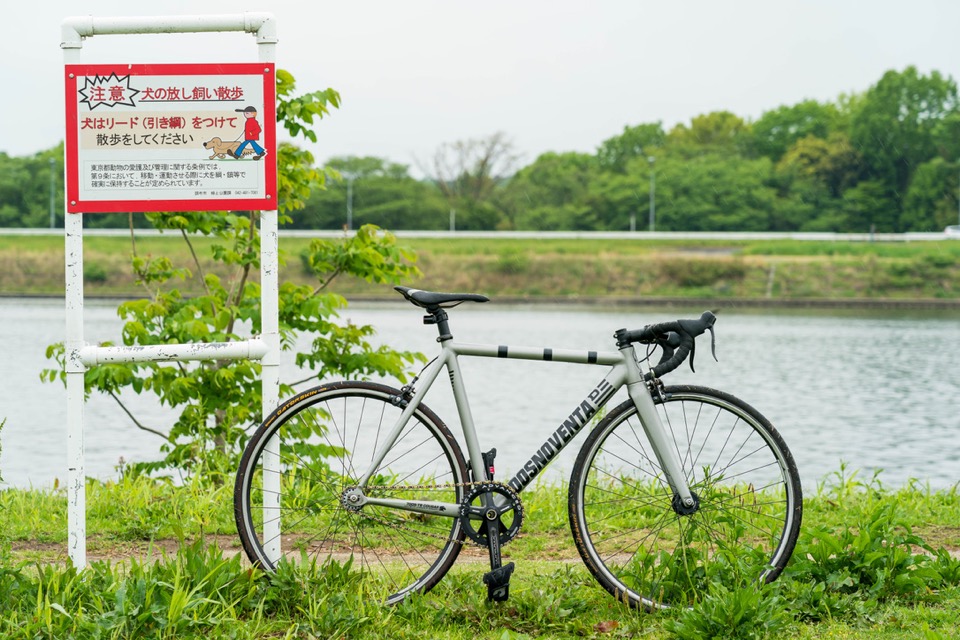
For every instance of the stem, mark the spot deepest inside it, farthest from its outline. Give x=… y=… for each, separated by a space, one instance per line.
x=133 y=239
x=237 y=295
x=307 y=379
x=196 y=260
x=135 y=421
x=133 y=246
x=324 y=283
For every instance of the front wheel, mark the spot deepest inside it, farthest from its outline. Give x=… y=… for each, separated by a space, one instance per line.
x=649 y=550
x=297 y=491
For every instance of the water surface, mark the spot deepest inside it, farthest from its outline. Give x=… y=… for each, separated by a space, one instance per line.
x=879 y=391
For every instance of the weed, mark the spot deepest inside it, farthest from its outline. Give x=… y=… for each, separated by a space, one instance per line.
x=843 y=485
x=877 y=557
x=746 y=613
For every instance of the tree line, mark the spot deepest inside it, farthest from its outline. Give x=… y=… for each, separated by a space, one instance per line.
x=886 y=159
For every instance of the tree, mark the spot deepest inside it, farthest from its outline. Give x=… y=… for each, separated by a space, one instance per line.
x=621 y=197
x=382 y=193
x=931 y=201
x=552 y=193
x=714 y=192
x=779 y=129
x=811 y=177
x=634 y=142
x=868 y=207
x=364 y=167
x=946 y=134
x=219 y=400
x=467 y=172
x=25 y=189
x=896 y=124
x=832 y=162
x=718 y=131
x=12 y=176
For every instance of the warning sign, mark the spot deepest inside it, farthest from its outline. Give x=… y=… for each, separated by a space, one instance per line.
x=171 y=137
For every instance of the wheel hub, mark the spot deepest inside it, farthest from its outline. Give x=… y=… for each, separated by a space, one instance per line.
x=682 y=509
x=353 y=499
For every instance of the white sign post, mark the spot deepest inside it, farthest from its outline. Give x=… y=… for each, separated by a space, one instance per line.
x=140 y=138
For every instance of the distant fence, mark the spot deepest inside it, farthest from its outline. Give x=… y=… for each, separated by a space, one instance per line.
x=556 y=235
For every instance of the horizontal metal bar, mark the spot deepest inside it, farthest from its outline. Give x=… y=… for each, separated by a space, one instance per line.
x=253 y=349
x=542 y=235
x=74 y=29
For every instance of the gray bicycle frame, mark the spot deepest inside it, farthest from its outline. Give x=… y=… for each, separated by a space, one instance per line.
x=624 y=370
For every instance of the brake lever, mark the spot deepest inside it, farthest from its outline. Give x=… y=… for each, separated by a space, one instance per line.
x=713 y=343
x=713 y=348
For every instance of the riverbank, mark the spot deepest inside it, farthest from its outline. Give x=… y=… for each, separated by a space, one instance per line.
x=744 y=273
x=870 y=563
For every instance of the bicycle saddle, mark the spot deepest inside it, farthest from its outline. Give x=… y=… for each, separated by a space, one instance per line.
x=432 y=299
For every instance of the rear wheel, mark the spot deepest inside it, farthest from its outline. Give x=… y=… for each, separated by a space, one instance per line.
x=644 y=546
x=297 y=490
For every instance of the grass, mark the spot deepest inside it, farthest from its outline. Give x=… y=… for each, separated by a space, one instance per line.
x=772 y=271
x=872 y=562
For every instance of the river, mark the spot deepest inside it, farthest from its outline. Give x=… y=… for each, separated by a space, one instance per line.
x=876 y=391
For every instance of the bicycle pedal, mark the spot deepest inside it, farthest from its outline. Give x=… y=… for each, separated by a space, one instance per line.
x=498 y=582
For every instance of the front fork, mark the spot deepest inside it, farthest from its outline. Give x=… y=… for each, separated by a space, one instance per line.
x=664 y=448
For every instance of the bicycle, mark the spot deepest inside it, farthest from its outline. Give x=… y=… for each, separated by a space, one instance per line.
x=673 y=488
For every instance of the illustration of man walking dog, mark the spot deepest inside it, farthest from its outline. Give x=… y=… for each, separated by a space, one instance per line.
x=236 y=149
x=251 y=133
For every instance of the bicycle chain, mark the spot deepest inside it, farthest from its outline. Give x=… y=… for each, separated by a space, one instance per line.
x=426 y=487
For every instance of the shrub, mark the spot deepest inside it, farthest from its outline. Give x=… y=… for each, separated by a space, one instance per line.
x=94 y=273
x=701 y=272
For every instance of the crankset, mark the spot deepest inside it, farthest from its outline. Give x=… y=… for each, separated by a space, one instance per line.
x=491 y=502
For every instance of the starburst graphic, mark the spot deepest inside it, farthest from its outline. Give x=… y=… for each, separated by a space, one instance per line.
x=108 y=91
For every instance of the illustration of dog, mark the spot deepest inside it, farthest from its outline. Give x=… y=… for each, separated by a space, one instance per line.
x=223 y=149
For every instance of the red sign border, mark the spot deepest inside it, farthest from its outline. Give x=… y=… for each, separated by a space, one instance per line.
x=74 y=71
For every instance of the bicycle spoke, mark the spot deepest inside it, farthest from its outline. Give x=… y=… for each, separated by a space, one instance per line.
x=321 y=508
x=642 y=544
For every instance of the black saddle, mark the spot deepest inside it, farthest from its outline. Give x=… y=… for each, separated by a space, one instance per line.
x=433 y=300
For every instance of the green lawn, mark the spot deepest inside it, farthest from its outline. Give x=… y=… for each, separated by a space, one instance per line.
x=872 y=562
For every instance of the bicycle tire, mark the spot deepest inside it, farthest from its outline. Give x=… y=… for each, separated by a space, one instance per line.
x=625 y=525
x=327 y=436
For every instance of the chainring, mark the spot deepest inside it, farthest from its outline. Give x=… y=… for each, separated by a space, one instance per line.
x=475 y=512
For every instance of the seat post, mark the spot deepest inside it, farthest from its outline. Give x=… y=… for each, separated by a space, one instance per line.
x=439 y=317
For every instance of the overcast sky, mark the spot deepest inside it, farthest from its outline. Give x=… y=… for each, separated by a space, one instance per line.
x=553 y=75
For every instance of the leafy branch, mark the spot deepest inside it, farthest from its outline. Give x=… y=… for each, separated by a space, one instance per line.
x=218 y=401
